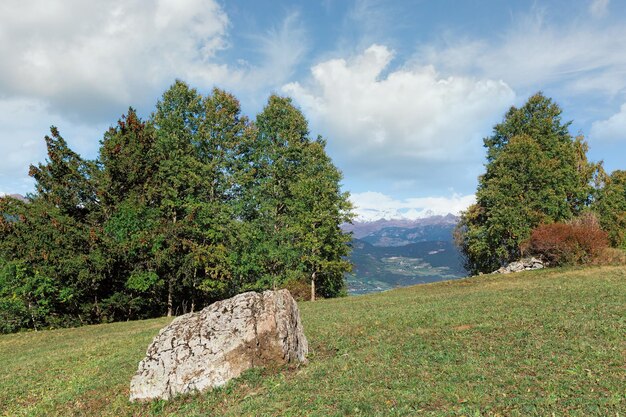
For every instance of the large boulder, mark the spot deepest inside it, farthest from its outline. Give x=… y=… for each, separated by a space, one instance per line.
x=206 y=349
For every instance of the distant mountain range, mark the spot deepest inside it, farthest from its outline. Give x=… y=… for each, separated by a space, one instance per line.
x=400 y=232
x=16 y=196
x=19 y=197
x=393 y=214
x=394 y=253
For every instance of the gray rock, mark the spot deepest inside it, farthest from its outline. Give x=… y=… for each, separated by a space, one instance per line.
x=202 y=350
x=516 y=266
x=524 y=264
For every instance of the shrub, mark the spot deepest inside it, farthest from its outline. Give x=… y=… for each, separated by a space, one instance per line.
x=611 y=256
x=579 y=241
x=299 y=289
x=13 y=315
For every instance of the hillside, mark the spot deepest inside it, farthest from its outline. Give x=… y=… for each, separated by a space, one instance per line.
x=388 y=254
x=534 y=343
x=380 y=268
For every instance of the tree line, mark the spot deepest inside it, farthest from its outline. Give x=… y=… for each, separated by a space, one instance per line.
x=193 y=205
x=537 y=173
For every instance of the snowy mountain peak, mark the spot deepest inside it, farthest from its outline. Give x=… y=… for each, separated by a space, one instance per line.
x=372 y=206
x=372 y=215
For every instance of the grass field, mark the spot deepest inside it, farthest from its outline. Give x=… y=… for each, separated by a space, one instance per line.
x=537 y=343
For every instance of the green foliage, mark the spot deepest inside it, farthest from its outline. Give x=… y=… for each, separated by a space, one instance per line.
x=128 y=161
x=51 y=243
x=65 y=181
x=610 y=205
x=295 y=205
x=191 y=206
x=143 y=281
x=18 y=307
x=536 y=172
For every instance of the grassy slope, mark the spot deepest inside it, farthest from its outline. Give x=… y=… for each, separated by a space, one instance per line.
x=534 y=343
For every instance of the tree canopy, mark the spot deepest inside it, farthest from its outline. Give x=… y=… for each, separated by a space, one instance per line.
x=193 y=205
x=610 y=205
x=536 y=172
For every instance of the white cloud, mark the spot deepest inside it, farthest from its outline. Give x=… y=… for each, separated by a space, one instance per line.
x=613 y=128
x=371 y=206
x=280 y=50
x=599 y=8
x=373 y=20
x=578 y=57
x=91 y=60
x=409 y=123
x=84 y=57
x=79 y=65
x=283 y=48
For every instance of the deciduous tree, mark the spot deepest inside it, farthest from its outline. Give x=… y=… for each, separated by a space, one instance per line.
x=610 y=205
x=536 y=172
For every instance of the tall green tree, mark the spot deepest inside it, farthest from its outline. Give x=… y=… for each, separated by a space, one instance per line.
x=536 y=172
x=297 y=204
x=201 y=144
x=220 y=145
x=321 y=208
x=610 y=205
x=277 y=156
x=51 y=244
x=177 y=120
x=65 y=180
x=129 y=165
x=195 y=204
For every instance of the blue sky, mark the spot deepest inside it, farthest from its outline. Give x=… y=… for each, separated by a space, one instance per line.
x=404 y=91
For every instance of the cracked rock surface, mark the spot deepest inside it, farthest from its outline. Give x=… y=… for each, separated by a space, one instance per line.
x=202 y=350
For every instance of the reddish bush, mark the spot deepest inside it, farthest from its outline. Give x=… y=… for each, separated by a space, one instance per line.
x=579 y=241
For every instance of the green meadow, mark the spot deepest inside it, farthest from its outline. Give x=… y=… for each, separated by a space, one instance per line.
x=541 y=343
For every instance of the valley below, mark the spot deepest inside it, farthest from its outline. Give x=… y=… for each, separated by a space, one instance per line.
x=389 y=254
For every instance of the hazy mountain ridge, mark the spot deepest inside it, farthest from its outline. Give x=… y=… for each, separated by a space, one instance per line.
x=400 y=236
x=362 y=228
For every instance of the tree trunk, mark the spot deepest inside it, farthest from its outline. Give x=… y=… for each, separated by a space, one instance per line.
x=98 y=313
x=32 y=315
x=169 y=297
x=170 y=285
x=313 y=286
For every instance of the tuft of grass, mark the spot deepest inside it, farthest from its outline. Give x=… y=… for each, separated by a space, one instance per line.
x=536 y=343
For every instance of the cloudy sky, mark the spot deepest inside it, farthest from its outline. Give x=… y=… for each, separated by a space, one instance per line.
x=404 y=91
